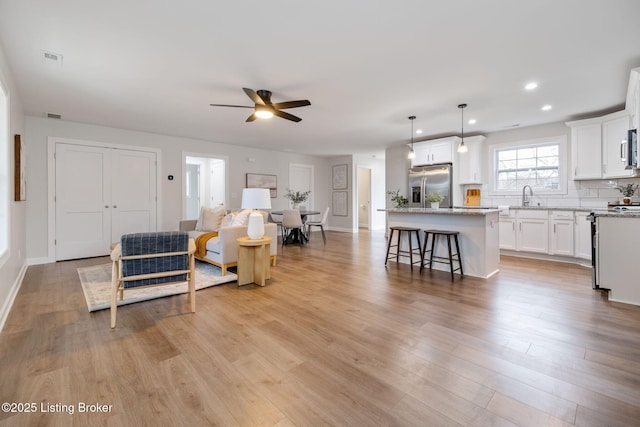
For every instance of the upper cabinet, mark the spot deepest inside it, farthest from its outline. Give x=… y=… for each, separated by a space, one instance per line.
x=614 y=147
x=598 y=147
x=432 y=152
x=469 y=164
x=633 y=98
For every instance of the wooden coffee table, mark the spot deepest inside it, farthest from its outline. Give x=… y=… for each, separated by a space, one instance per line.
x=254 y=260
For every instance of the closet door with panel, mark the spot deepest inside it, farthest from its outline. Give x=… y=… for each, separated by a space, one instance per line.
x=101 y=193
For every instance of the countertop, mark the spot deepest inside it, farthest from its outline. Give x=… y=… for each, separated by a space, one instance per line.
x=444 y=211
x=537 y=208
x=614 y=214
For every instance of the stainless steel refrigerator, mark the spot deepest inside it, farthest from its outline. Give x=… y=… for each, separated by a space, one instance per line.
x=429 y=179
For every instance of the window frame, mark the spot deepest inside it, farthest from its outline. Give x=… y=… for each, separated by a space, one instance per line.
x=561 y=140
x=6 y=192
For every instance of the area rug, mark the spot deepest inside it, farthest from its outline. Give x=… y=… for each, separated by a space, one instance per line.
x=96 y=284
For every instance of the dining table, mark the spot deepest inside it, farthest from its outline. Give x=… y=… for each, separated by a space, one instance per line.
x=297 y=235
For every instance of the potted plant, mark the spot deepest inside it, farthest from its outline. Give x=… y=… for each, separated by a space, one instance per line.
x=297 y=197
x=627 y=192
x=398 y=199
x=435 y=200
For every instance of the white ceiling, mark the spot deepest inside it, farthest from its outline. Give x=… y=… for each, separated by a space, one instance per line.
x=156 y=65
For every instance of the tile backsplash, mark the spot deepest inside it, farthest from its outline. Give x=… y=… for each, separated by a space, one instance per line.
x=588 y=194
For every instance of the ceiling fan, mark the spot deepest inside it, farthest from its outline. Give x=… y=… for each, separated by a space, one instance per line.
x=264 y=108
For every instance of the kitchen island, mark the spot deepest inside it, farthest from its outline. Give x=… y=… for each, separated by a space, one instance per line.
x=478 y=228
x=617 y=237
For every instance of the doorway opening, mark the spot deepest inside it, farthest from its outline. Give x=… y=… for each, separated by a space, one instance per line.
x=364 y=198
x=205 y=183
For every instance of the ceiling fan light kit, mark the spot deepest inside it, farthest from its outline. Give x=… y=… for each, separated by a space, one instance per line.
x=462 y=148
x=265 y=109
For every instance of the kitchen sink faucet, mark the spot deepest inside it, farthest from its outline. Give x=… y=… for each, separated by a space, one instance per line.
x=526 y=201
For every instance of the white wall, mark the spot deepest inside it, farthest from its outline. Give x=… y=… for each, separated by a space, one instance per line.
x=343 y=223
x=268 y=162
x=13 y=264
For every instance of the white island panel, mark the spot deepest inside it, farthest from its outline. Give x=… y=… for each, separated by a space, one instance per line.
x=479 y=235
x=618 y=236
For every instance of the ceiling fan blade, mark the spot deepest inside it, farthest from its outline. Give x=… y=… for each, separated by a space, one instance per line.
x=251 y=118
x=292 y=104
x=227 y=105
x=286 y=116
x=253 y=95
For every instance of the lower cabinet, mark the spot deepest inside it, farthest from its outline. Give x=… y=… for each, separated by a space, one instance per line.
x=561 y=233
x=552 y=232
x=582 y=236
x=533 y=231
x=508 y=231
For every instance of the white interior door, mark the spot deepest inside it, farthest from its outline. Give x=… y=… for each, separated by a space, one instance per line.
x=133 y=189
x=83 y=201
x=364 y=199
x=100 y=194
x=192 y=181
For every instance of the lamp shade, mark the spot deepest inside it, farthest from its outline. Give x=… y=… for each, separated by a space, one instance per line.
x=256 y=198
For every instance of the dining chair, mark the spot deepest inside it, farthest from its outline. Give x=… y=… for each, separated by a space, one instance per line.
x=321 y=224
x=292 y=226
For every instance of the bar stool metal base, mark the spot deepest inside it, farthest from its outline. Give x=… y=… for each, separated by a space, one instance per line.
x=435 y=234
x=400 y=252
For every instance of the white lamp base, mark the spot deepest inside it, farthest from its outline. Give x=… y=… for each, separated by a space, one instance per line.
x=255 y=229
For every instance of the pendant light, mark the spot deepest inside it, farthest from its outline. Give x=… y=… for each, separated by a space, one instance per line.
x=462 y=148
x=412 y=154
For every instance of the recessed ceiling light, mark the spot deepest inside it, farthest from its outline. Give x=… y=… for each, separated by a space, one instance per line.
x=472 y=121
x=531 y=86
x=547 y=107
x=419 y=131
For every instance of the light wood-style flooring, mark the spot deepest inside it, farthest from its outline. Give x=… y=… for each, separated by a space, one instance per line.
x=335 y=338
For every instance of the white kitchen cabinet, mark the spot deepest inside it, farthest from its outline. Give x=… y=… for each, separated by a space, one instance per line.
x=525 y=230
x=508 y=230
x=614 y=147
x=582 y=236
x=432 y=152
x=469 y=165
x=561 y=233
x=586 y=150
x=596 y=150
x=422 y=155
x=533 y=232
x=632 y=105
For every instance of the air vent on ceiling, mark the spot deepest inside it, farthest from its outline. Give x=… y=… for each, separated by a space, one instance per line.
x=51 y=59
x=54 y=116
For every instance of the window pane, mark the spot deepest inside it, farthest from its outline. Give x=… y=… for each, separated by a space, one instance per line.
x=549 y=150
x=537 y=166
x=507 y=155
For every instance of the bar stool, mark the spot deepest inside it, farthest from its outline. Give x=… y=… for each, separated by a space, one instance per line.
x=435 y=234
x=399 y=251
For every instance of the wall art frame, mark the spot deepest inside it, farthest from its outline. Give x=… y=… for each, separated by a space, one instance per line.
x=340 y=205
x=339 y=177
x=258 y=180
x=19 y=171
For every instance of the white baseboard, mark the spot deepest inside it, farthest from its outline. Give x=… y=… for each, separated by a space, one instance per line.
x=38 y=261
x=6 y=307
x=343 y=230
